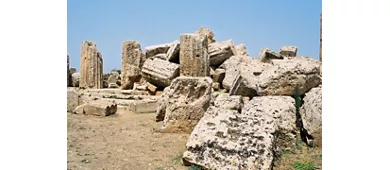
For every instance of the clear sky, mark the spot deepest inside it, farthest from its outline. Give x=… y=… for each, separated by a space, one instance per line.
x=256 y=23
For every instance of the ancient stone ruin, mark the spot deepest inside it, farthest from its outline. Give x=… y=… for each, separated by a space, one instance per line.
x=241 y=112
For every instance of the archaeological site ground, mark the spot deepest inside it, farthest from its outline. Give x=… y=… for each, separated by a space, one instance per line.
x=195 y=103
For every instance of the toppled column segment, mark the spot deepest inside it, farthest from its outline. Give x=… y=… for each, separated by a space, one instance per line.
x=290 y=51
x=160 y=72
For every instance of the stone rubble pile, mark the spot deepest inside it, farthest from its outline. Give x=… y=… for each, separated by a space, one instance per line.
x=240 y=111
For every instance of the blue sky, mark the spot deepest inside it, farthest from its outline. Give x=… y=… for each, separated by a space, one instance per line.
x=256 y=23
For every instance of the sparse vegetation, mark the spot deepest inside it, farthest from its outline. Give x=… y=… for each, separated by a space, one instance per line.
x=85 y=161
x=304 y=166
x=116 y=70
x=194 y=167
x=177 y=158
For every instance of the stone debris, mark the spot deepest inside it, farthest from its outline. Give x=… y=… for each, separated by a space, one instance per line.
x=91 y=66
x=215 y=86
x=174 y=52
x=194 y=58
x=289 y=51
x=228 y=139
x=311 y=115
x=220 y=51
x=266 y=55
x=231 y=69
x=97 y=108
x=219 y=75
x=207 y=32
x=160 y=72
x=241 y=49
x=154 y=50
x=185 y=100
x=75 y=80
x=73 y=99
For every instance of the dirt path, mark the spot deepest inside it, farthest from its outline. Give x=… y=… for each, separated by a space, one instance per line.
x=126 y=141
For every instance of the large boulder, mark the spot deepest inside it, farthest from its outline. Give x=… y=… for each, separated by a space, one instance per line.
x=187 y=100
x=225 y=101
x=97 y=108
x=311 y=115
x=160 y=72
x=162 y=104
x=292 y=76
x=227 y=139
x=231 y=69
x=220 y=51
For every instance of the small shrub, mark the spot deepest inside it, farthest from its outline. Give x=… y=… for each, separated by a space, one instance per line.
x=194 y=167
x=304 y=166
x=85 y=161
x=177 y=158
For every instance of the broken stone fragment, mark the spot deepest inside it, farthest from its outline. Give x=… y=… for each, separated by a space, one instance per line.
x=219 y=75
x=152 y=51
x=215 y=86
x=73 y=99
x=186 y=100
x=252 y=139
x=160 y=72
x=241 y=49
x=311 y=115
x=266 y=55
x=292 y=76
x=75 y=79
x=174 y=52
x=290 y=51
x=231 y=69
x=220 y=51
x=97 y=108
x=205 y=31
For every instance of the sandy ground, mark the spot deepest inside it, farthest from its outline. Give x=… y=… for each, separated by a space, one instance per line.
x=132 y=142
x=127 y=141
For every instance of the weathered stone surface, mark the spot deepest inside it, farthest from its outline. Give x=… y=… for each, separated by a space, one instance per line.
x=131 y=63
x=245 y=100
x=219 y=75
x=113 y=85
x=143 y=106
x=241 y=49
x=91 y=66
x=75 y=79
x=246 y=81
x=212 y=72
x=97 y=108
x=73 y=99
x=225 y=101
x=194 y=58
x=174 y=52
x=152 y=88
x=160 y=72
x=311 y=115
x=187 y=100
x=208 y=33
x=296 y=74
x=216 y=86
x=266 y=55
x=289 y=51
x=162 y=104
x=113 y=78
x=160 y=56
x=152 y=51
x=231 y=68
x=220 y=51
x=228 y=139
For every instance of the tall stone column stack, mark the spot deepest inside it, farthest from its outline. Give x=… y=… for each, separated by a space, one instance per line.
x=132 y=58
x=91 y=66
x=194 y=57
